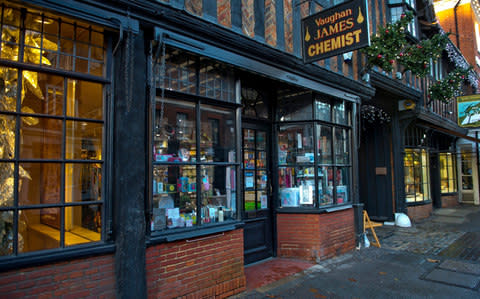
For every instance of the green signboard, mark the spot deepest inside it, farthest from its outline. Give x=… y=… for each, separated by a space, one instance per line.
x=342 y=28
x=468 y=109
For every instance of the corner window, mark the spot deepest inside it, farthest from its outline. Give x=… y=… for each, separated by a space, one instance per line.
x=416 y=175
x=194 y=144
x=398 y=7
x=314 y=157
x=448 y=173
x=52 y=133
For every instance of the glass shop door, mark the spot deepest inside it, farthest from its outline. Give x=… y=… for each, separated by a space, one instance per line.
x=258 y=237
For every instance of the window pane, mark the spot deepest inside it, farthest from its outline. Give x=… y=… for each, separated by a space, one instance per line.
x=84 y=140
x=6 y=234
x=342 y=146
x=178 y=73
x=217 y=135
x=8 y=100
x=83 y=182
x=41 y=138
x=43 y=93
x=417 y=179
x=175 y=132
x=216 y=81
x=7 y=136
x=341 y=113
x=323 y=110
x=83 y=224
x=324 y=140
x=39 y=229
x=43 y=185
x=294 y=106
x=218 y=193
x=174 y=196
x=295 y=144
x=342 y=183
x=7 y=184
x=84 y=99
x=296 y=186
x=325 y=186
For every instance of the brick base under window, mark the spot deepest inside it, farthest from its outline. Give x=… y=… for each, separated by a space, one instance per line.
x=417 y=213
x=205 y=267
x=450 y=201
x=92 y=277
x=315 y=237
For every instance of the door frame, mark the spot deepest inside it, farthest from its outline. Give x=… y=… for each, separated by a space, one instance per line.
x=270 y=232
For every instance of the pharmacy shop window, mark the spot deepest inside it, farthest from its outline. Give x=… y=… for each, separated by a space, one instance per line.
x=314 y=157
x=52 y=125
x=194 y=167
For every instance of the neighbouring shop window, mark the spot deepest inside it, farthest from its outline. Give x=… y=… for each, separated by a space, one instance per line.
x=314 y=156
x=399 y=7
x=448 y=173
x=52 y=132
x=416 y=176
x=467 y=168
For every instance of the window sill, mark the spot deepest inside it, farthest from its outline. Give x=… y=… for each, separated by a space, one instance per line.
x=419 y=203
x=301 y=210
x=173 y=235
x=39 y=258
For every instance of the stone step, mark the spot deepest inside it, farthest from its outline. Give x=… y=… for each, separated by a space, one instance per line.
x=456 y=213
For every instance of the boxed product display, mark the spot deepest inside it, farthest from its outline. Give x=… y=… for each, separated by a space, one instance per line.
x=289 y=197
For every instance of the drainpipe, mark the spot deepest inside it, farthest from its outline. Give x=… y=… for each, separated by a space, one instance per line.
x=456 y=23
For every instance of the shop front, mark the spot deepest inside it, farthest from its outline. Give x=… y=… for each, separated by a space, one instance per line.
x=210 y=148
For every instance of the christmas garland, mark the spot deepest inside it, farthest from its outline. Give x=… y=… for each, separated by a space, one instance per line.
x=390 y=44
x=374 y=115
x=449 y=87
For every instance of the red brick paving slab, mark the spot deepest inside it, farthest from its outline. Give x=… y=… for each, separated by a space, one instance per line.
x=267 y=272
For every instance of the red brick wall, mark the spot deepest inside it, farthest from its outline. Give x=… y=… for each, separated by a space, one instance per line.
x=92 y=277
x=315 y=236
x=204 y=267
x=449 y=201
x=417 y=213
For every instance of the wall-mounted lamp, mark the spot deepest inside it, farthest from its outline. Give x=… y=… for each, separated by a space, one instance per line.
x=366 y=77
x=347 y=57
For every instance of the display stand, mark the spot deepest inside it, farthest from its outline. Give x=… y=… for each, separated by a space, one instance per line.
x=367 y=224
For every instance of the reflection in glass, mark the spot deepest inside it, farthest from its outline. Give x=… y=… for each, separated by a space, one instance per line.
x=6 y=233
x=215 y=144
x=342 y=146
x=340 y=113
x=84 y=99
x=83 y=182
x=216 y=81
x=322 y=110
x=325 y=186
x=41 y=138
x=6 y=184
x=43 y=186
x=8 y=100
x=294 y=105
x=174 y=132
x=324 y=140
x=179 y=72
x=218 y=193
x=84 y=140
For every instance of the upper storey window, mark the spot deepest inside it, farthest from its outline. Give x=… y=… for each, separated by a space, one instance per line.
x=398 y=7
